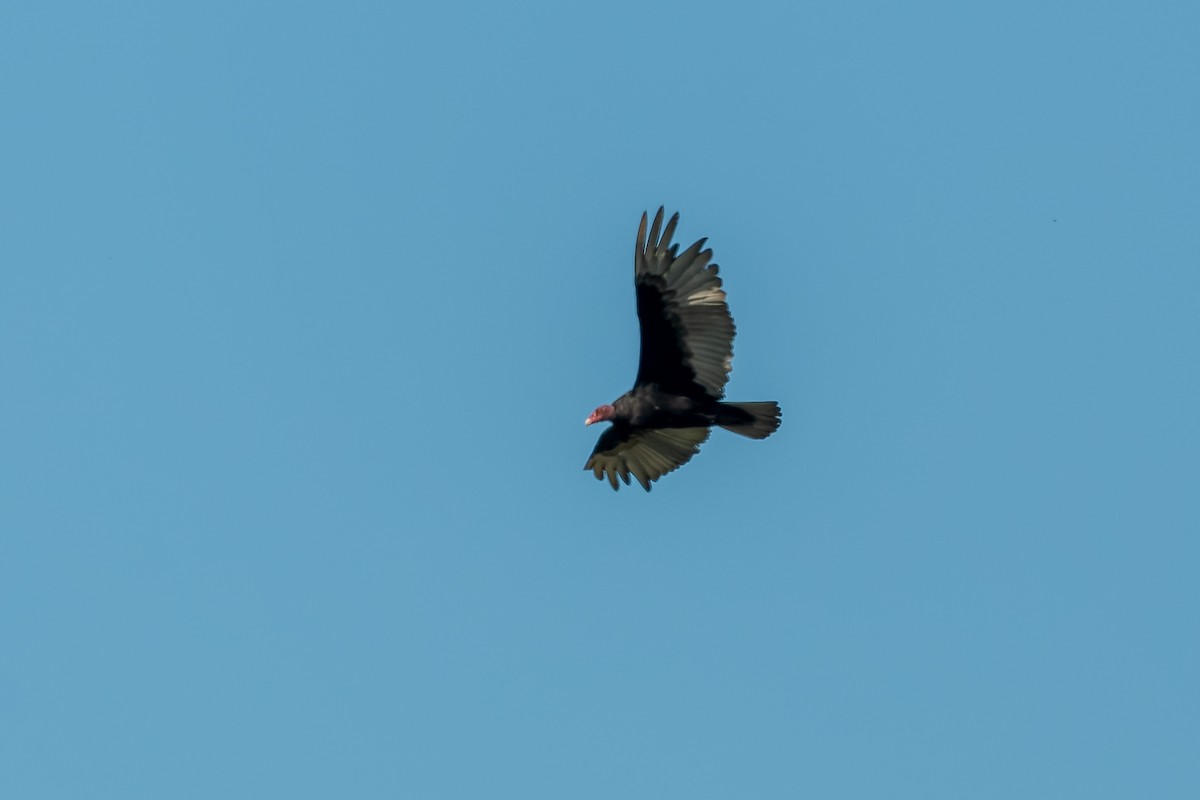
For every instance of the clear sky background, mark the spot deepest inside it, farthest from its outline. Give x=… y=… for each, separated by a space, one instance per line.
x=302 y=307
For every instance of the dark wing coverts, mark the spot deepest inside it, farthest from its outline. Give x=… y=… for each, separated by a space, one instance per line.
x=645 y=453
x=687 y=332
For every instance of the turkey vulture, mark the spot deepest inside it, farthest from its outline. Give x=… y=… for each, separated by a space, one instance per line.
x=687 y=346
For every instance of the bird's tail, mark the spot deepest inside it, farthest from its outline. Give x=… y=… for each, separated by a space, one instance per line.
x=756 y=420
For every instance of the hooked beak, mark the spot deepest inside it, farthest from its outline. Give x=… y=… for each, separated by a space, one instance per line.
x=590 y=419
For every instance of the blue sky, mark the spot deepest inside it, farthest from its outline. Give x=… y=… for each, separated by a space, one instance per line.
x=301 y=308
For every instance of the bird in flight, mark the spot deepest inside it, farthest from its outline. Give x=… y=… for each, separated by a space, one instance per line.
x=686 y=354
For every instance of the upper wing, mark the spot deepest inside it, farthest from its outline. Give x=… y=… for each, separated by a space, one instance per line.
x=687 y=332
x=645 y=453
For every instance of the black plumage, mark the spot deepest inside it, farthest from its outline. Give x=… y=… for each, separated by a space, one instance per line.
x=686 y=353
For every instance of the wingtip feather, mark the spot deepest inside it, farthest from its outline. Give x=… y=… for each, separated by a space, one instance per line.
x=652 y=242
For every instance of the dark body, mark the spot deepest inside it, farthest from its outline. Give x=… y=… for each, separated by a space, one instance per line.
x=686 y=353
x=649 y=406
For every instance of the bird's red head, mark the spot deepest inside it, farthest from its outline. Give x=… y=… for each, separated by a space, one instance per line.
x=600 y=415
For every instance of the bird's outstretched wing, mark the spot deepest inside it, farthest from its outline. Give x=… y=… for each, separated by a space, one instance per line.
x=645 y=453
x=687 y=331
